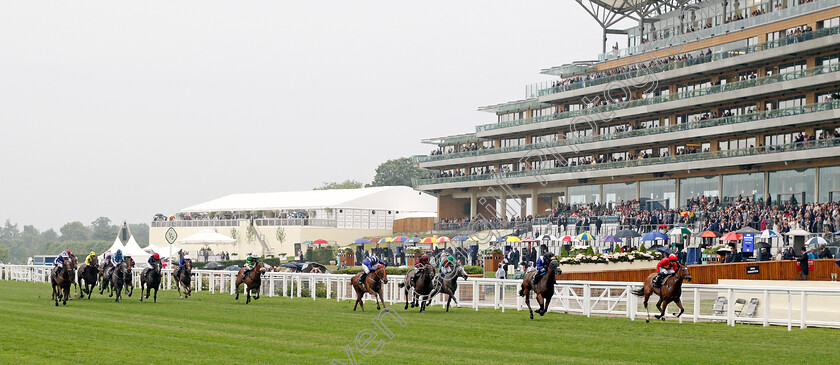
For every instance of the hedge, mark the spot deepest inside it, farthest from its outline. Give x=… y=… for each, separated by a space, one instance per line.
x=471 y=270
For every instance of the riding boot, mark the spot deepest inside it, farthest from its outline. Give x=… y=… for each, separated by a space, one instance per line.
x=657 y=281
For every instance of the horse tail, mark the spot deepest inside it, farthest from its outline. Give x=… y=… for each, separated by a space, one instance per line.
x=401 y=285
x=521 y=290
x=638 y=292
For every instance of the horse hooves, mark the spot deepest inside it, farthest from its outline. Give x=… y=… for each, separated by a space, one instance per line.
x=532 y=315
x=56 y=304
x=647 y=320
x=542 y=314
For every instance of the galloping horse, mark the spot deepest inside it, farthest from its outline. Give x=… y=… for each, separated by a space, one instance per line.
x=105 y=277
x=119 y=275
x=669 y=291
x=373 y=285
x=129 y=280
x=422 y=287
x=61 y=282
x=544 y=290
x=449 y=284
x=252 y=281
x=185 y=279
x=150 y=280
x=90 y=274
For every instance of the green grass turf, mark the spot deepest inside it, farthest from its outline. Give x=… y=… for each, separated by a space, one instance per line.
x=214 y=328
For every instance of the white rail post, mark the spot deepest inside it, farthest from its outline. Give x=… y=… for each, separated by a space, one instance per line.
x=496 y=295
x=803 y=311
x=299 y=283
x=696 y=305
x=766 y=308
x=790 y=311
x=586 y=300
x=730 y=309
x=475 y=295
x=271 y=284
x=630 y=297
x=503 y=296
x=232 y=284
x=285 y=286
x=198 y=285
x=312 y=286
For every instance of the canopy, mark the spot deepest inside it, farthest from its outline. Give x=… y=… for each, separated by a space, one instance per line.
x=814 y=241
x=798 y=232
x=530 y=240
x=732 y=236
x=709 y=234
x=116 y=246
x=654 y=236
x=512 y=239
x=747 y=229
x=610 y=239
x=624 y=233
x=768 y=234
x=206 y=237
x=361 y=241
x=566 y=238
x=138 y=254
x=547 y=237
x=679 y=231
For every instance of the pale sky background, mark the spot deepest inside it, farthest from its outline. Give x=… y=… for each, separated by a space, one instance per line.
x=129 y=108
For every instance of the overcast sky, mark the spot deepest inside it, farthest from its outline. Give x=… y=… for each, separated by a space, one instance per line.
x=129 y=108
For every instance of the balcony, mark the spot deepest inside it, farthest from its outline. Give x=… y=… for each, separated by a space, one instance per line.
x=721 y=29
x=612 y=107
x=694 y=157
x=541 y=89
x=236 y=222
x=770 y=114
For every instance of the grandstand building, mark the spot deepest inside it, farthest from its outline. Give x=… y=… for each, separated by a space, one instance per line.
x=273 y=224
x=713 y=98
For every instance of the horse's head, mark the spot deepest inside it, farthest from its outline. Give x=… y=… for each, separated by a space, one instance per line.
x=187 y=264
x=73 y=261
x=382 y=274
x=94 y=261
x=259 y=267
x=459 y=270
x=683 y=273
x=554 y=266
x=129 y=262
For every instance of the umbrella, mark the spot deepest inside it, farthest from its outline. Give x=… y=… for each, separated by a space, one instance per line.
x=798 y=232
x=627 y=233
x=836 y=233
x=400 y=239
x=732 y=236
x=679 y=231
x=426 y=240
x=386 y=240
x=768 y=234
x=293 y=265
x=709 y=234
x=654 y=236
x=662 y=249
x=566 y=238
x=213 y=266
x=747 y=229
x=374 y=240
x=415 y=240
x=443 y=239
x=530 y=240
x=547 y=237
x=687 y=214
x=611 y=239
x=320 y=242
x=460 y=238
x=723 y=251
x=232 y=268
x=512 y=239
x=764 y=245
x=585 y=237
x=361 y=241
x=815 y=241
x=663 y=226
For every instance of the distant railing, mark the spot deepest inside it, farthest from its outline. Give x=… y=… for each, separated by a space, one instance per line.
x=317 y=222
x=197 y=223
x=606 y=109
x=699 y=156
x=735 y=119
x=258 y=222
x=546 y=88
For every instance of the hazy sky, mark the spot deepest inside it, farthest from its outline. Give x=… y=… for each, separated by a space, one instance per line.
x=129 y=108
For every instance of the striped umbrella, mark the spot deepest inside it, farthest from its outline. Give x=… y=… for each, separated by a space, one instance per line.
x=426 y=240
x=512 y=239
x=443 y=239
x=386 y=240
x=401 y=239
x=585 y=237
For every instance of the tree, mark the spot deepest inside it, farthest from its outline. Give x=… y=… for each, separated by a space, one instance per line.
x=49 y=235
x=280 y=235
x=103 y=230
x=346 y=184
x=397 y=173
x=140 y=232
x=9 y=230
x=75 y=231
x=4 y=254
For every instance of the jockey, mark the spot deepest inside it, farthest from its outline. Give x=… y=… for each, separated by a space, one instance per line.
x=59 y=260
x=181 y=264
x=89 y=261
x=420 y=266
x=249 y=265
x=447 y=265
x=542 y=263
x=154 y=259
x=369 y=265
x=107 y=259
x=117 y=258
x=666 y=266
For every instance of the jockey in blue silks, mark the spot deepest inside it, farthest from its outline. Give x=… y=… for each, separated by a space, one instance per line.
x=541 y=265
x=369 y=264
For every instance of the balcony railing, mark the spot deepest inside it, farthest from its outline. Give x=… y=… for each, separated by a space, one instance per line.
x=735 y=119
x=198 y=223
x=544 y=88
x=726 y=28
x=236 y=222
x=612 y=107
x=700 y=156
x=317 y=222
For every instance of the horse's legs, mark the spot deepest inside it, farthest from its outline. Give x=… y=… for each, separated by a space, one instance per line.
x=678 y=302
x=662 y=310
x=406 y=298
x=156 y=289
x=647 y=297
x=144 y=288
x=547 y=301
x=237 y=288
x=447 y=302
x=248 y=294
x=540 y=301
x=528 y=301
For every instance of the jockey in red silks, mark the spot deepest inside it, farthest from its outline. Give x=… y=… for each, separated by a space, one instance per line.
x=420 y=266
x=666 y=266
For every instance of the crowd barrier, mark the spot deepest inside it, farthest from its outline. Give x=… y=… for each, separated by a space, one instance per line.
x=574 y=297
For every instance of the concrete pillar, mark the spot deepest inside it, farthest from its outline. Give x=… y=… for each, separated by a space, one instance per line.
x=473 y=205
x=503 y=206
x=523 y=207
x=767 y=187
x=816 y=184
x=677 y=195
x=535 y=202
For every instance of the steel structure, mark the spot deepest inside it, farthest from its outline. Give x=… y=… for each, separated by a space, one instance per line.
x=609 y=12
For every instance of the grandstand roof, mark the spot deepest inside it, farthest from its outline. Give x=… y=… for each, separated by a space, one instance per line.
x=401 y=198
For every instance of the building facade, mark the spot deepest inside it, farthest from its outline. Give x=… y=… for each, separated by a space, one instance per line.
x=714 y=98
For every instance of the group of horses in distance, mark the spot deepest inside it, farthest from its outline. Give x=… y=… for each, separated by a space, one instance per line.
x=419 y=290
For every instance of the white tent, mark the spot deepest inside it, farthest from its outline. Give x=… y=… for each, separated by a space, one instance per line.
x=138 y=254
x=206 y=237
x=116 y=246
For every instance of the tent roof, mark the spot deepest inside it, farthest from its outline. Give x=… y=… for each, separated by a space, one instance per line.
x=401 y=198
x=133 y=249
x=206 y=237
x=116 y=246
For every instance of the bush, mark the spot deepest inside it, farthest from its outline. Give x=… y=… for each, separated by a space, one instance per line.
x=617 y=248
x=389 y=270
x=643 y=248
x=272 y=261
x=474 y=270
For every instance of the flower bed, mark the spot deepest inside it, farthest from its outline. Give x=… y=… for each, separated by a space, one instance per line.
x=607 y=258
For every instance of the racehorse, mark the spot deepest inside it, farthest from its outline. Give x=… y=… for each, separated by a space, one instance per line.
x=373 y=285
x=61 y=282
x=90 y=274
x=129 y=280
x=544 y=290
x=252 y=281
x=185 y=279
x=422 y=287
x=150 y=280
x=119 y=276
x=670 y=291
x=105 y=278
x=448 y=284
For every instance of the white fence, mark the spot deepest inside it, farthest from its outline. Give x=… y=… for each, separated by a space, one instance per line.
x=786 y=306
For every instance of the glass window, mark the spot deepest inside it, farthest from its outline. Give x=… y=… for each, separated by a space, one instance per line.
x=695 y=187
x=658 y=194
x=510 y=142
x=620 y=192
x=828 y=23
x=584 y=194
x=829 y=184
x=828 y=60
x=796 y=186
x=743 y=185
x=544 y=138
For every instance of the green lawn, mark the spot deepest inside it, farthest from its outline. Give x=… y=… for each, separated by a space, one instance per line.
x=213 y=328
